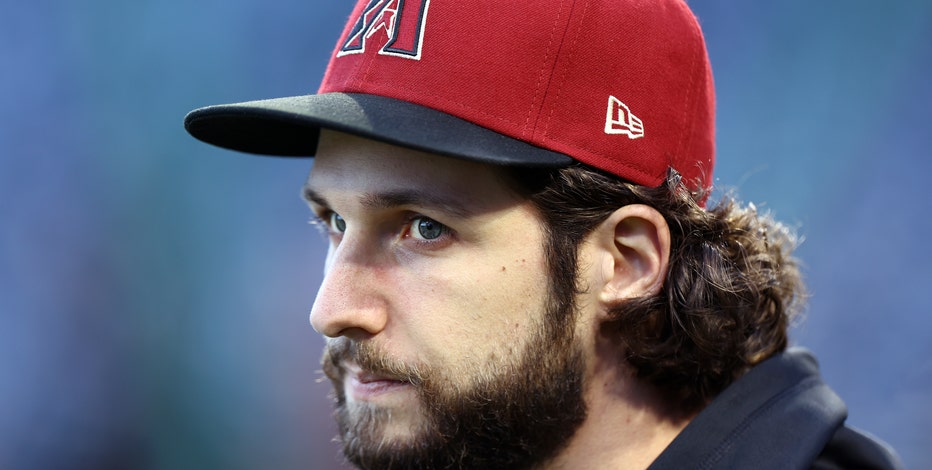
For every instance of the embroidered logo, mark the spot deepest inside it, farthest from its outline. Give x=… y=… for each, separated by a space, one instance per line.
x=620 y=120
x=401 y=21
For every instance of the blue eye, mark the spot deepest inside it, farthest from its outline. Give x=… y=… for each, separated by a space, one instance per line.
x=337 y=223
x=426 y=229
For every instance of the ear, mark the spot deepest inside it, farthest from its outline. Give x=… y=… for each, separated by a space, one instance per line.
x=633 y=249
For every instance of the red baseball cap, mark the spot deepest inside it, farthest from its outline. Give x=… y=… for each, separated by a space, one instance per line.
x=622 y=85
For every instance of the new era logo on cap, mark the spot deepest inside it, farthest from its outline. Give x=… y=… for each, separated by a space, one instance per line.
x=620 y=120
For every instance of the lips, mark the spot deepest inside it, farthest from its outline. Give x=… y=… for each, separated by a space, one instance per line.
x=363 y=385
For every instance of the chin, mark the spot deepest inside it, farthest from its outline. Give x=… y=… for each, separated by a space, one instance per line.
x=394 y=425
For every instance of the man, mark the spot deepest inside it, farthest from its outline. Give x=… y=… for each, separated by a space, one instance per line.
x=523 y=272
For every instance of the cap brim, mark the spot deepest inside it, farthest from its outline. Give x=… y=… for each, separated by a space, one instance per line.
x=290 y=127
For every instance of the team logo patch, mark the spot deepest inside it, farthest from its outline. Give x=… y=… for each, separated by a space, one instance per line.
x=620 y=120
x=396 y=25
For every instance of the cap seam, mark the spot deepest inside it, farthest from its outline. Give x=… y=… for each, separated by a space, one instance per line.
x=559 y=93
x=559 y=89
x=538 y=101
x=690 y=104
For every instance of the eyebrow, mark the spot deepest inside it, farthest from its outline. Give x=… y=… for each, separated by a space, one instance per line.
x=398 y=198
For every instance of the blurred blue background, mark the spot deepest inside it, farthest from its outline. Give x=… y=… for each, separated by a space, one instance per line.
x=154 y=290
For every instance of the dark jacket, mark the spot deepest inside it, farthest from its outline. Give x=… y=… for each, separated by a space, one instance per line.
x=779 y=416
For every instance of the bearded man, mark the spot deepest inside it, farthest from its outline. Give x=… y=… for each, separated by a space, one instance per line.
x=524 y=270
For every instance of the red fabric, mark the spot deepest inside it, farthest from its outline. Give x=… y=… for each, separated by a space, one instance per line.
x=544 y=71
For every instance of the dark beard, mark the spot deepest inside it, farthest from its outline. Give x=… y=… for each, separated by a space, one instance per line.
x=518 y=418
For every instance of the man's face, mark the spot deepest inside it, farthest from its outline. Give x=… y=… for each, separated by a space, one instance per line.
x=445 y=346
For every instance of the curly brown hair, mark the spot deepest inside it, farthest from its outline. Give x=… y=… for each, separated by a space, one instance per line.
x=731 y=291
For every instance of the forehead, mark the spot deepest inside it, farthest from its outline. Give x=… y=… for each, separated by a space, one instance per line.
x=347 y=164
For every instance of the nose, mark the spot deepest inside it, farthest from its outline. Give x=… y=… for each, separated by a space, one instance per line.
x=351 y=301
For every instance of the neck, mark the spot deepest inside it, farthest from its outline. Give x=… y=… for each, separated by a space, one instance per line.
x=627 y=425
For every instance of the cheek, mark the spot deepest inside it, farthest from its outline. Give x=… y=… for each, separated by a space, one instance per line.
x=470 y=315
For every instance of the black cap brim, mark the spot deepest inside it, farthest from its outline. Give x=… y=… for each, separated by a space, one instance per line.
x=290 y=127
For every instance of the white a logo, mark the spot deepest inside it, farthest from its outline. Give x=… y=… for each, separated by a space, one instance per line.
x=395 y=26
x=619 y=120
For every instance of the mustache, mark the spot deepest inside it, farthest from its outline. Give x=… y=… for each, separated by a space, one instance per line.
x=368 y=357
